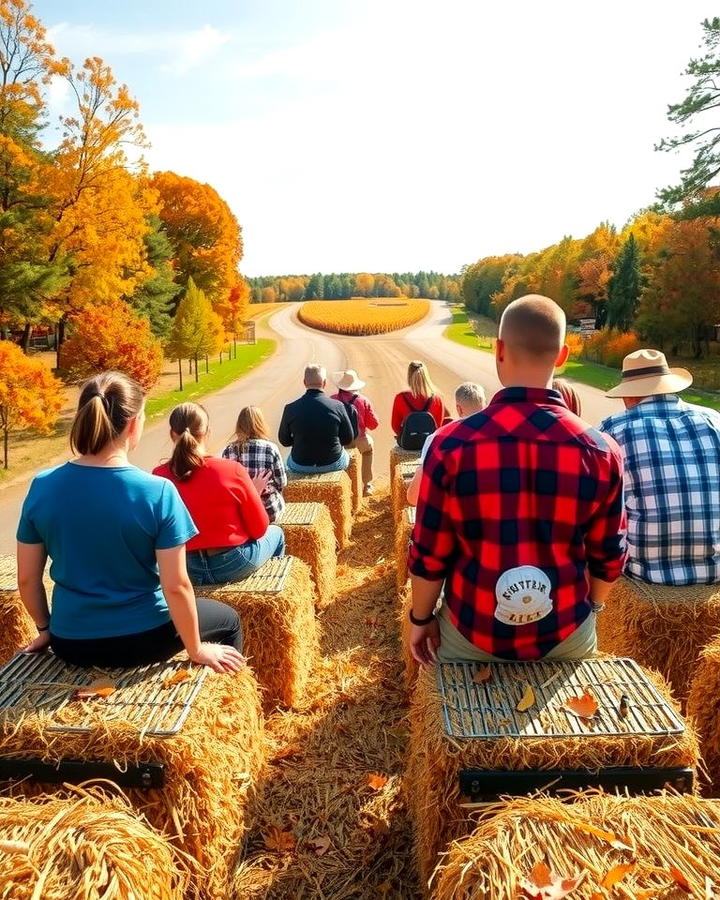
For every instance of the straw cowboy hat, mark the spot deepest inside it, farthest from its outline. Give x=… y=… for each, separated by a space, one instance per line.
x=646 y=372
x=349 y=380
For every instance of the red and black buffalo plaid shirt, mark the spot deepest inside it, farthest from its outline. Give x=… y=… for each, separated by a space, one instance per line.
x=524 y=482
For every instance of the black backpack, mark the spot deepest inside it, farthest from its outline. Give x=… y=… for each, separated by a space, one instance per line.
x=416 y=427
x=352 y=414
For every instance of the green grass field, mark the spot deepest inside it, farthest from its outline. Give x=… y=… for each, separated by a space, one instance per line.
x=461 y=331
x=220 y=375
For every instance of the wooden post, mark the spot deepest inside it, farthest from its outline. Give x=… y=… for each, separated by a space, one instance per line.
x=180 y=371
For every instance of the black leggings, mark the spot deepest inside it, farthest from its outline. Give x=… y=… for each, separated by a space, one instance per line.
x=219 y=624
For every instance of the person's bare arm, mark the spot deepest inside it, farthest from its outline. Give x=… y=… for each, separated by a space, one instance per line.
x=599 y=592
x=31 y=559
x=424 y=640
x=180 y=598
x=413 y=489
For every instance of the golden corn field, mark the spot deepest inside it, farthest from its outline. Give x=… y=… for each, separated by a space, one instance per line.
x=359 y=316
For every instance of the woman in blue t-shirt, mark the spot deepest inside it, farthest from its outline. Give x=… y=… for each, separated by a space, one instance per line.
x=116 y=538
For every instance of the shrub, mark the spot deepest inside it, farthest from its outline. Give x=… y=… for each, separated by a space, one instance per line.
x=610 y=347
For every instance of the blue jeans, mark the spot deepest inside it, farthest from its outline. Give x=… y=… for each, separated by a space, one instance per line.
x=235 y=563
x=340 y=464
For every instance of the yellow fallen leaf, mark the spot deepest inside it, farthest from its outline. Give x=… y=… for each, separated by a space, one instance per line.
x=176 y=677
x=100 y=687
x=616 y=874
x=376 y=782
x=527 y=700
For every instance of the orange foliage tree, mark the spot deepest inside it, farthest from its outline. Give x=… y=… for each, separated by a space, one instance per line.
x=111 y=336
x=30 y=395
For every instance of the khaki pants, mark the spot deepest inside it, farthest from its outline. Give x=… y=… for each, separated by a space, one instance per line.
x=365 y=445
x=455 y=646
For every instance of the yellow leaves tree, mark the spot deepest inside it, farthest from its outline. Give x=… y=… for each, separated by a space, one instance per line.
x=364 y=284
x=30 y=395
x=197 y=330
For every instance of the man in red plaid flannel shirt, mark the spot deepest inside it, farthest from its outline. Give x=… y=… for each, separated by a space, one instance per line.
x=520 y=515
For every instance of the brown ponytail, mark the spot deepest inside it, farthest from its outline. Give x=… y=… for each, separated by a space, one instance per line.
x=189 y=422
x=106 y=405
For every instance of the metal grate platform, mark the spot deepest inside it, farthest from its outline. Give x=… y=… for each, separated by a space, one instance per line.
x=270 y=578
x=43 y=683
x=299 y=514
x=324 y=478
x=410 y=514
x=488 y=710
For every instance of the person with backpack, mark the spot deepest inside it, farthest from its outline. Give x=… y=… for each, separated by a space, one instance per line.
x=363 y=419
x=418 y=412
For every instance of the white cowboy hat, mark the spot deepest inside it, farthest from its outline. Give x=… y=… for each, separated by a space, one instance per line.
x=646 y=372
x=348 y=381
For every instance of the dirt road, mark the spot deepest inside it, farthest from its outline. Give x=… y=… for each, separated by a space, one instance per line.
x=381 y=361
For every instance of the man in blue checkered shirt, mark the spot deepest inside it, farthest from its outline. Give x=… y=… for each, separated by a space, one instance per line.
x=672 y=474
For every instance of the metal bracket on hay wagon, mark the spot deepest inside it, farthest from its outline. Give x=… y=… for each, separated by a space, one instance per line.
x=487 y=711
x=152 y=699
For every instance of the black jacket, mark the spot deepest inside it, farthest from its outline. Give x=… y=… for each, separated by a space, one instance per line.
x=316 y=427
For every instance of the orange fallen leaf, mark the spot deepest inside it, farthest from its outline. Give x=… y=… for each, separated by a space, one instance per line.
x=585 y=707
x=544 y=884
x=100 y=687
x=178 y=676
x=606 y=836
x=527 y=700
x=679 y=879
x=483 y=674
x=278 y=840
x=320 y=845
x=616 y=874
x=376 y=782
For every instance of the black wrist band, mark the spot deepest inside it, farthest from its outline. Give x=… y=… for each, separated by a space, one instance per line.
x=44 y=628
x=414 y=619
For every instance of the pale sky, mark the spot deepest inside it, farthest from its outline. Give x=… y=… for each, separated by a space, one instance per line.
x=385 y=135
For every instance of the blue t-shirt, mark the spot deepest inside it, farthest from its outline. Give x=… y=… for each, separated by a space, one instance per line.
x=101 y=527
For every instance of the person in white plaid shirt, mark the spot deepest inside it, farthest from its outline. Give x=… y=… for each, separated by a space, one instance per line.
x=253 y=449
x=672 y=474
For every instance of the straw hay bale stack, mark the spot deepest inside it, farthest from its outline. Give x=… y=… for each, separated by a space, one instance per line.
x=309 y=536
x=90 y=846
x=435 y=761
x=702 y=708
x=354 y=471
x=334 y=490
x=17 y=629
x=401 y=478
x=277 y=608
x=397 y=455
x=211 y=765
x=663 y=628
x=665 y=832
x=410 y=669
x=402 y=540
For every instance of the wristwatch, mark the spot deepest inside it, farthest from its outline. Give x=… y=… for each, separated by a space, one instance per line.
x=414 y=619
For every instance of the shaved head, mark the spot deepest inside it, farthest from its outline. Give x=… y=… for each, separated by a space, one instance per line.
x=533 y=327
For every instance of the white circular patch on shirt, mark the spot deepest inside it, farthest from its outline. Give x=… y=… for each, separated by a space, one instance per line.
x=523 y=596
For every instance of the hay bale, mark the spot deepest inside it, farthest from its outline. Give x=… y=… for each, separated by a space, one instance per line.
x=309 y=536
x=210 y=764
x=410 y=667
x=277 y=608
x=402 y=540
x=89 y=846
x=354 y=471
x=702 y=708
x=663 y=628
x=334 y=490
x=666 y=832
x=401 y=478
x=436 y=760
x=18 y=629
x=397 y=455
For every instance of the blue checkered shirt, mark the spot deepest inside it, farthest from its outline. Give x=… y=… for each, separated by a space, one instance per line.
x=672 y=489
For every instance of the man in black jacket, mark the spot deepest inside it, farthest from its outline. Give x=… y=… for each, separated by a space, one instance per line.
x=316 y=428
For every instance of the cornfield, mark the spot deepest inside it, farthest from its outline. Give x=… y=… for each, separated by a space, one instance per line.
x=361 y=317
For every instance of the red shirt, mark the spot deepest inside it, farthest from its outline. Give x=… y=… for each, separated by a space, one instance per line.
x=405 y=403
x=518 y=504
x=223 y=503
x=367 y=420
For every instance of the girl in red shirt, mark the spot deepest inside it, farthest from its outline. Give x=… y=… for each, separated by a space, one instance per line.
x=421 y=390
x=235 y=537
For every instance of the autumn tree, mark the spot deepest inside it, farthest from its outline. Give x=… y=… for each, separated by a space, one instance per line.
x=111 y=336
x=197 y=330
x=624 y=286
x=234 y=309
x=154 y=298
x=30 y=395
x=205 y=235
x=364 y=284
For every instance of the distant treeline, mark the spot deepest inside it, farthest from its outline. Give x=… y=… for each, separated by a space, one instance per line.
x=341 y=286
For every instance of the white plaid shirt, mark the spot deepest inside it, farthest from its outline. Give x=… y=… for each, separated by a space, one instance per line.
x=672 y=489
x=259 y=455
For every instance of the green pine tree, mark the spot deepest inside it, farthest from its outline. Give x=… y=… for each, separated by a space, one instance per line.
x=154 y=300
x=624 y=287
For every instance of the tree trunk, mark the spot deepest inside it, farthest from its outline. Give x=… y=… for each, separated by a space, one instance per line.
x=5 y=445
x=25 y=340
x=190 y=362
x=60 y=339
x=207 y=364
x=197 y=377
x=221 y=357
x=180 y=372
